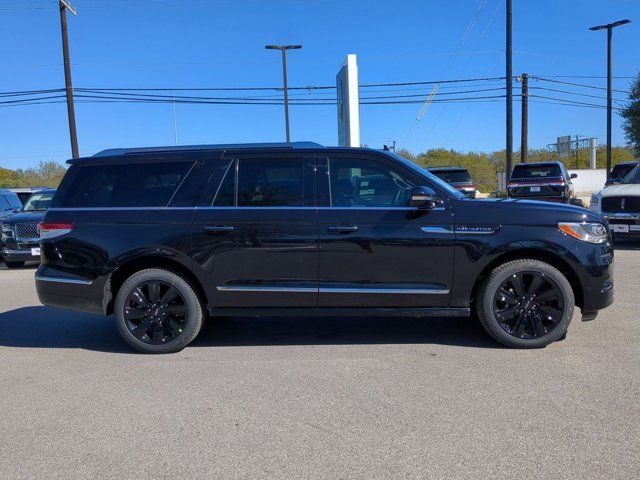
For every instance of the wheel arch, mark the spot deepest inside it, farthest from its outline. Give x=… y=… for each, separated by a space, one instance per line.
x=551 y=258
x=128 y=268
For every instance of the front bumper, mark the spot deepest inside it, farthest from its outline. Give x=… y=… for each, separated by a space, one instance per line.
x=21 y=255
x=623 y=224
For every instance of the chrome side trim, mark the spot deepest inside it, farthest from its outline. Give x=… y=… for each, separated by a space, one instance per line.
x=72 y=281
x=98 y=209
x=444 y=230
x=259 y=288
x=403 y=291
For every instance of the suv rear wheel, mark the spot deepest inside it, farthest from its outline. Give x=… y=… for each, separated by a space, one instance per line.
x=525 y=303
x=158 y=311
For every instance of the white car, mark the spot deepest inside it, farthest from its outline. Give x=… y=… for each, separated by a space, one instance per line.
x=620 y=204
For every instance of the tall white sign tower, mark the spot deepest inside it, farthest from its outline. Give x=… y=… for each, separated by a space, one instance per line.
x=348 y=103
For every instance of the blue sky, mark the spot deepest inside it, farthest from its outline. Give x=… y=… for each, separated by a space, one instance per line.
x=220 y=43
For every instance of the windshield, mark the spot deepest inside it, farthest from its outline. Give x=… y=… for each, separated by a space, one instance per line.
x=620 y=171
x=536 y=171
x=453 y=176
x=425 y=173
x=633 y=176
x=38 y=202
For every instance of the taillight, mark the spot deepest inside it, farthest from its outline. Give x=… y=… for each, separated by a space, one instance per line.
x=52 y=230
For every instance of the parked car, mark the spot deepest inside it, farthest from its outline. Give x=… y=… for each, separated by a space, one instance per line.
x=9 y=203
x=619 y=171
x=548 y=181
x=457 y=177
x=620 y=205
x=25 y=192
x=163 y=236
x=20 y=235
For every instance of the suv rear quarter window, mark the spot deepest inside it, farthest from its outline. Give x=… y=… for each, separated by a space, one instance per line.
x=122 y=185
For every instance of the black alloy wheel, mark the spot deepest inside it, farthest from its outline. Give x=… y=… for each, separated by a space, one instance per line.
x=158 y=311
x=528 y=305
x=155 y=312
x=525 y=303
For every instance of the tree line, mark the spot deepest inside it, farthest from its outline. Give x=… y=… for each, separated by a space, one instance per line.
x=483 y=167
x=46 y=174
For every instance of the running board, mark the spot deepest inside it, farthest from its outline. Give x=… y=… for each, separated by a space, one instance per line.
x=340 y=312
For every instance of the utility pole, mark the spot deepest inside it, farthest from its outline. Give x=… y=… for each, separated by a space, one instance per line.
x=393 y=146
x=524 y=131
x=509 y=79
x=64 y=6
x=609 y=27
x=283 y=49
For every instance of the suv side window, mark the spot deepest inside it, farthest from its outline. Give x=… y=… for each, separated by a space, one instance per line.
x=359 y=182
x=268 y=183
x=124 y=185
x=4 y=204
x=14 y=201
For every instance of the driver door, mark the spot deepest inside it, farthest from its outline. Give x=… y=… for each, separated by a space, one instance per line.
x=375 y=250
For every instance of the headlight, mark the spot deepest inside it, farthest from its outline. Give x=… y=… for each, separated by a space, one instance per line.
x=6 y=231
x=587 y=232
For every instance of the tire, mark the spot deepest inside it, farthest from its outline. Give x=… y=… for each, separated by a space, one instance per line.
x=533 y=319
x=149 y=323
x=14 y=264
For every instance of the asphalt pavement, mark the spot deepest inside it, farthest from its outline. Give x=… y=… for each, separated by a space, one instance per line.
x=335 y=398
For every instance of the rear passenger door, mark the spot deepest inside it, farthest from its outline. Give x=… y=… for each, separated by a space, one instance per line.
x=254 y=234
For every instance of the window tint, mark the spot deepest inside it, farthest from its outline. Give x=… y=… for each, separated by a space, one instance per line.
x=270 y=183
x=225 y=196
x=453 y=176
x=14 y=201
x=124 y=185
x=536 y=171
x=619 y=171
x=361 y=182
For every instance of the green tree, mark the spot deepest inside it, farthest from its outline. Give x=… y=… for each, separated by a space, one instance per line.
x=8 y=178
x=631 y=115
x=46 y=174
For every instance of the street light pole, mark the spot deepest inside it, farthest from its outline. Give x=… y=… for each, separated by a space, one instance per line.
x=283 y=49
x=609 y=27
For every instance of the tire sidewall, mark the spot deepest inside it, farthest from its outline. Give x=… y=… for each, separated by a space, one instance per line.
x=194 y=310
x=488 y=317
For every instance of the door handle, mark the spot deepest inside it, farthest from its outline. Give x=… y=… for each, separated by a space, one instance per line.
x=219 y=229
x=343 y=229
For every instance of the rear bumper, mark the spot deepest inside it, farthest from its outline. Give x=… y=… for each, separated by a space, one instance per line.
x=59 y=289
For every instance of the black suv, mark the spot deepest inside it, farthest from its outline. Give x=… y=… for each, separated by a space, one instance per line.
x=20 y=235
x=548 y=181
x=163 y=236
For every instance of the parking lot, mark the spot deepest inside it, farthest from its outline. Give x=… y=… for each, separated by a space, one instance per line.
x=318 y=398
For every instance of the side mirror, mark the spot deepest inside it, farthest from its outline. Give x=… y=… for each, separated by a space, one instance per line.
x=573 y=175
x=422 y=197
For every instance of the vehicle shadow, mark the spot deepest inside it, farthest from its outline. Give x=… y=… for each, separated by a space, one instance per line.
x=626 y=244
x=45 y=327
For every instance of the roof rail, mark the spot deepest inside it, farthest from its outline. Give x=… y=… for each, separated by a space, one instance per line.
x=112 y=152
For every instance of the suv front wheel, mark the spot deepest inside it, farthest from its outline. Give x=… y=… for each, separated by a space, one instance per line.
x=525 y=303
x=158 y=311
